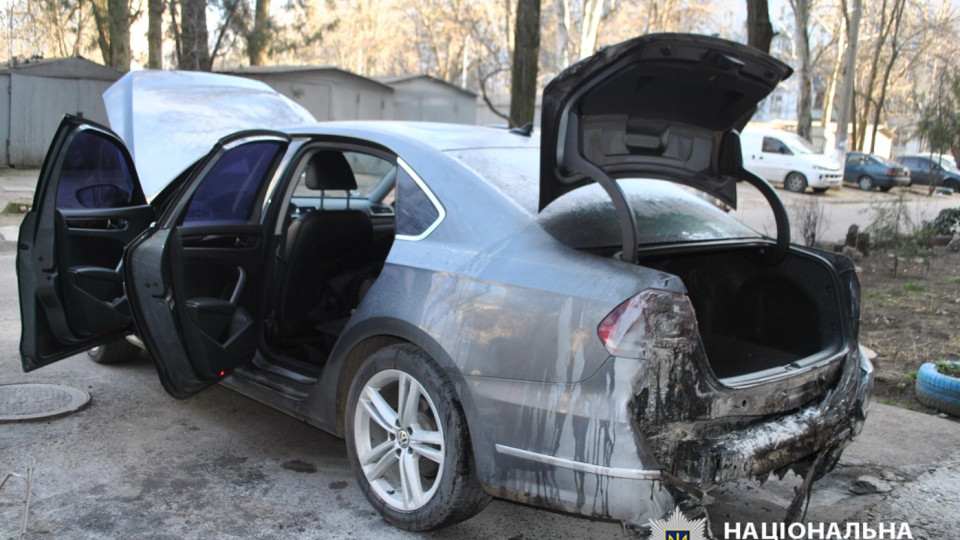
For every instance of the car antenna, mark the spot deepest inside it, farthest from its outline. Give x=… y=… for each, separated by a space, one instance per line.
x=525 y=130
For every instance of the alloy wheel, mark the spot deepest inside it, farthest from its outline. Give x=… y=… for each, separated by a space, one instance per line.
x=399 y=440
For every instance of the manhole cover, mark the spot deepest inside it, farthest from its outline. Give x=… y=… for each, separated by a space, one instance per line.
x=33 y=401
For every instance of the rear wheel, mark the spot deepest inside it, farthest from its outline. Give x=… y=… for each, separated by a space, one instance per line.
x=408 y=442
x=115 y=352
x=865 y=183
x=952 y=184
x=795 y=182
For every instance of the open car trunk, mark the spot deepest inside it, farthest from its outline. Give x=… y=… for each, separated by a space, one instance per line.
x=759 y=320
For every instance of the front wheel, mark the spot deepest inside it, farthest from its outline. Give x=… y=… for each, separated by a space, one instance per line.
x=408 y=442
x=115 y=352
x=865 y=183
x=795 y=182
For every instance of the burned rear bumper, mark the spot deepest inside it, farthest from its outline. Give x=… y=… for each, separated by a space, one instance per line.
x=602 y=448
x=781 y=442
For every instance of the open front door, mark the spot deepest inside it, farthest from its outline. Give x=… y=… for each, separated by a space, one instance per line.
x=196 y=280
x=87 y=207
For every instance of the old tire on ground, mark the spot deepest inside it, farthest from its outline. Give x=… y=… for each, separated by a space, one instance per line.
x=885 y=189
x=115 y=352
x=939 y=391
x=408 y=443
x=795 y=182
x=820 y=189
x=865 y=183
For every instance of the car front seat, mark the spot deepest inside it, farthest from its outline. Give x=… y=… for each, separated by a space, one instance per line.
x=325 y=251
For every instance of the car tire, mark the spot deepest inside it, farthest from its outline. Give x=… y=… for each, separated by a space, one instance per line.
x=795 y=182
x=387 y=441
x=938 y=391
x=886 y=189
x=115 y=352
x=952 y=184
x=820 y=189
x=865 y=183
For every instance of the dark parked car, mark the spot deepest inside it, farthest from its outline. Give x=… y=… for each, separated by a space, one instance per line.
x=870 y=172
x=926 y=171
x=544 y=317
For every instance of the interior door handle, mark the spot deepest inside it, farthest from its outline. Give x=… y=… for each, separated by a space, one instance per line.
x=238 y=288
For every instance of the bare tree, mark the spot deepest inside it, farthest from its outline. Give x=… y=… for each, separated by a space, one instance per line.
x=195 y=52
x=759 y=29
x=523 y=74
x=259 y=36
x=113 y=20
x=155 y=10
x=801 y=17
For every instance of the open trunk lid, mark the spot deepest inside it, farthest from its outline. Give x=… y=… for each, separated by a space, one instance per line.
x=657 y=106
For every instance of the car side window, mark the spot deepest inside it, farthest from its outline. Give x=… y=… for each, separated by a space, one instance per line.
x=775 y=146
x=95 y=174
x=416 y=212
x=228 y=192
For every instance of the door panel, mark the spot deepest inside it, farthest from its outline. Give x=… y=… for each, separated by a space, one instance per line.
x=217 y=292
x=87 y=207
x=196 y=281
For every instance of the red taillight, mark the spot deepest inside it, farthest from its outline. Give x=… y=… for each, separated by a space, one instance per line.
x=652 y=318
x=893 y=172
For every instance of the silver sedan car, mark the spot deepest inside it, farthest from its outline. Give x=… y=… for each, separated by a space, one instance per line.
x=552 y=316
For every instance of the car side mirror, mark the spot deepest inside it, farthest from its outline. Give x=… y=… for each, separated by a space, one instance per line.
x=102 y=196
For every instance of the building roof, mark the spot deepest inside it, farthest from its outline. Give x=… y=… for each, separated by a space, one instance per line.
x=65 y=68
x=280 y=70
x=400 y=80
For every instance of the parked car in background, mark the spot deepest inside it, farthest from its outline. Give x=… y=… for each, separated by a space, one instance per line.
x=785 y=158
x=870 y=172
x=549 y=317
x=936 y=170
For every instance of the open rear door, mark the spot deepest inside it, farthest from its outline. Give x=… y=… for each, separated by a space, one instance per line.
x=196 y=280
x=88 y=206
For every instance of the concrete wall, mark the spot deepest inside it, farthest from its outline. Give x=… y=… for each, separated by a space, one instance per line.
x=330 y=94
x=423 y=99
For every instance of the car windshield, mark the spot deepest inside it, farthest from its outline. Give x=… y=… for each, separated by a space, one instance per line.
x=798 y=145
x=586 y=217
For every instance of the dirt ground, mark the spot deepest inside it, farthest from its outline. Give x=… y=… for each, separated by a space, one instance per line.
x=909 y=318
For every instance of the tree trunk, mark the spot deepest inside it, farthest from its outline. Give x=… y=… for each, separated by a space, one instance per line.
x=590 y=26
x=175 y=28
x=829 y=99
x=259 y=38
x=195 y=55
x=759 y=29
x=155 y=9
x=801 y=17
x=894 y=54
x=523 y=75
x=120 y=34
x=112 y=18
x=867 y=92
x=849 y=76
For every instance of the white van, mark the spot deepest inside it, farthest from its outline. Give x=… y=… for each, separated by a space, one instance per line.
x=785 y=158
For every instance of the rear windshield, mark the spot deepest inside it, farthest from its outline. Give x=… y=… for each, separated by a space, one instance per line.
x=586 y=218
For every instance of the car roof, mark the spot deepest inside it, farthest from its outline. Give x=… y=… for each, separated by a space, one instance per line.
x=436 y=135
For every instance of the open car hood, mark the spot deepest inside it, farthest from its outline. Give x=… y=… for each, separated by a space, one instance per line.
x=170 y=119
x=657 y=106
